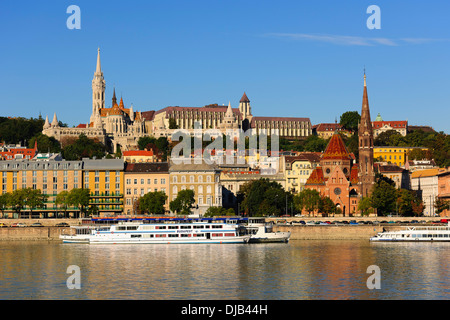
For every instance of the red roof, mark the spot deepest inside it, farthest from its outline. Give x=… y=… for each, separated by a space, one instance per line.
x=316 y=177
x=393 y=124
x=336 y=149
x=137 y=153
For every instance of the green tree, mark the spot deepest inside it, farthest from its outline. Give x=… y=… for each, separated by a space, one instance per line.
x=79 y=198
x=307 y=199
x=365 y=206
x=326 y=205
x=384 y=197
x=19 y=130
x=183 y=203
x=173 y=123
x=153 y=202
x=45 y=143
x=5 y=200
x=386 y=138
x=34 y=199
x=315 y=144
x=83 y=147
x=62 y=201
x=17 y=200
x=218 y=211
x=441 y=204
x=350 y=120
x=263 y=197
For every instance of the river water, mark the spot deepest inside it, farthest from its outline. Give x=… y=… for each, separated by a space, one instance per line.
x=299 y=270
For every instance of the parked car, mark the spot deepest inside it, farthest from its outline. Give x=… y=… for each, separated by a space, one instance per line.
x=18 y=224
x=3 y=225
x=62 y=224
x=37 y=224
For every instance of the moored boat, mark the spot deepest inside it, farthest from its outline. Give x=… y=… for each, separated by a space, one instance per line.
x=415 y=234
x=261 y=231
x=168 y=231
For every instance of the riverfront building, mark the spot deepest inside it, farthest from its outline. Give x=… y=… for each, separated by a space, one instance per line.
x=141 y=178
x=51 y=177
x=203 y=179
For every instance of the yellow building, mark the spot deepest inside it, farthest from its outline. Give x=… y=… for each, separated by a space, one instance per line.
x=298 y=169
x=393 y=155
x=51 y=177
x=141 y=178
x=105 y=180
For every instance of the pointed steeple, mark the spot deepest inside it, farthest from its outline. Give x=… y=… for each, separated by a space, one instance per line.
x=366 y=174
x=244 y=98
x=229 y=113
x=55 y=121
x=99 y=66
x=46 y=123
x=114 y=99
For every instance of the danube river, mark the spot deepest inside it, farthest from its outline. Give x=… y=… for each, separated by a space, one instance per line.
x=298 y=270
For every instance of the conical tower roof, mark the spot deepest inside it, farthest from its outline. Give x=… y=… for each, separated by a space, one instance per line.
x=244 y=98
x=336 y=149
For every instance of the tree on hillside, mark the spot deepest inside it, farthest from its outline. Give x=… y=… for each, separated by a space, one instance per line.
x=83 y=147
x=19 y=130
x=350 y=120
x=45 y=143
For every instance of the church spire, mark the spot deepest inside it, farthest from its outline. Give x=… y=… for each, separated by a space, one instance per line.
x=366 y=174
x=99 y=66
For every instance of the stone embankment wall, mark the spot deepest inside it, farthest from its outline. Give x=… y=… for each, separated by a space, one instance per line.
x=48 y=232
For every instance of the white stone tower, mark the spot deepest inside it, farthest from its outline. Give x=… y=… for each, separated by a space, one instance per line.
x=98 y=89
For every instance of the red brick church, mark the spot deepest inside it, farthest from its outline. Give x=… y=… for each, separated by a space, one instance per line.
x=338 y=176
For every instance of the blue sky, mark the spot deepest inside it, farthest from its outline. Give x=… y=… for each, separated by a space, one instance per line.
x=292 y=58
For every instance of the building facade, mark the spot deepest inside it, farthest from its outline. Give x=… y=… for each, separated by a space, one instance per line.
x=425 y=182
x=203 y=179
x=105 y=180
x=141 y=178
x=298 y=169
x=120 y=126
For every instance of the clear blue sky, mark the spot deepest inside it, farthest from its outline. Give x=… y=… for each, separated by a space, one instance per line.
x=292 y=58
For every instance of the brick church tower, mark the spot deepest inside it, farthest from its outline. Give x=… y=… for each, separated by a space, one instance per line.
x=366 y=174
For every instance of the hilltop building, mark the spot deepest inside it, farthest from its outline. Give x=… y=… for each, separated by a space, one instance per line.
x=121 y=126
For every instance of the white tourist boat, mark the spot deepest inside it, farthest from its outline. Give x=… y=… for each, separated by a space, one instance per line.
x=160 y=232
x=415 y=234
x=261 y=231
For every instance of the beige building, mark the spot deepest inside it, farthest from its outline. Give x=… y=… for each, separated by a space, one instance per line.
x=298 y=169
x=397 y=174
x=426 y=183
x=203 y=179
x=141 y=178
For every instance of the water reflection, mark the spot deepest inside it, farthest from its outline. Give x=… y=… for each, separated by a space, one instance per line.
x=297 y=270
